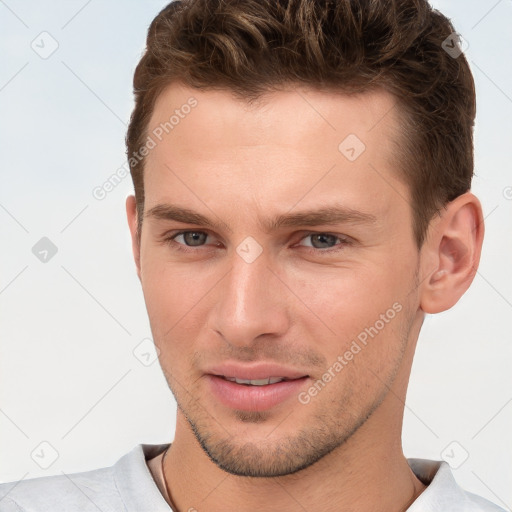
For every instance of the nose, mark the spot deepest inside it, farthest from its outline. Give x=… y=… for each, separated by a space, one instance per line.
x=250 y=302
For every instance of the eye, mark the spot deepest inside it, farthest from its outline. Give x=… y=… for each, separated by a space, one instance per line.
x=317 y=243
x=323 y=240
x=191 y=238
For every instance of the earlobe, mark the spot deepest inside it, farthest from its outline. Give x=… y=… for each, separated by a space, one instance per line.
x=452 y=253
x=131 y=214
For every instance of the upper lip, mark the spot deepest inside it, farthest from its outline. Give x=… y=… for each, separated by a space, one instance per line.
x=255 y=371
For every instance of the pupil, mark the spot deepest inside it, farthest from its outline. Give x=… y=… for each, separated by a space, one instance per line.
x=194 y=238
x=324 y=240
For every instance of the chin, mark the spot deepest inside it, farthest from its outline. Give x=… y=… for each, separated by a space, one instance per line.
x=265 y=457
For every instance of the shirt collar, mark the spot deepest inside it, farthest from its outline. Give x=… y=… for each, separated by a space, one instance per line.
x=442 y=492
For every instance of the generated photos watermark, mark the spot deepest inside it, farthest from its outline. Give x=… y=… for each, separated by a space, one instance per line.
x=357 y=345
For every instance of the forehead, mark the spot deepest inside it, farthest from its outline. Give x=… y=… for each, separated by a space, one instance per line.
x=219 y=118
x=293 y=145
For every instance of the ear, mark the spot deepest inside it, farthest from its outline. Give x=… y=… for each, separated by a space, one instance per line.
x=451 y=253
x=131 y=214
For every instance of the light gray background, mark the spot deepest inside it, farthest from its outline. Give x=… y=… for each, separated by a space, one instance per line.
x=68 y=327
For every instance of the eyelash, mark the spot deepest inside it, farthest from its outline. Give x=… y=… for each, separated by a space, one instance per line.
x=168 y=239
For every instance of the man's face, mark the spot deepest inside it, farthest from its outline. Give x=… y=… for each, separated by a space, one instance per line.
x=227 y=298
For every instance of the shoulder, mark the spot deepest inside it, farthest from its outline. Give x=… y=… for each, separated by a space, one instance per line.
x=443 y=493
x=479 y=503
x=127 y=485
x=87 y=491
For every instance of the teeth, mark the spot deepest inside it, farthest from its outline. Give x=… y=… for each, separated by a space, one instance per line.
x=256 y=382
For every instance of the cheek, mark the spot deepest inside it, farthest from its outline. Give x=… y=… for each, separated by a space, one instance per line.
x=360 y=324
x=347 y=300
x=163 y=295
x=362 y=360
x=176 y=300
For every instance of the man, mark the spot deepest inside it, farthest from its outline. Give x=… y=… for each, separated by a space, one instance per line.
x=302 y=176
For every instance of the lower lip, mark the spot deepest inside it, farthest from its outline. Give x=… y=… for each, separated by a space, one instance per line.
x=253 y=398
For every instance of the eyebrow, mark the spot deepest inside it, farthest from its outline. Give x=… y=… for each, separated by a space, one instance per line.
x=316 y=217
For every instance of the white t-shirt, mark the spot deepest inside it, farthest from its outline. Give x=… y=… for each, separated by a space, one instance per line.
x=135 y=484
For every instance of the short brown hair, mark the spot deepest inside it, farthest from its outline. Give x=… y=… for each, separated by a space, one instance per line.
x=251 y=47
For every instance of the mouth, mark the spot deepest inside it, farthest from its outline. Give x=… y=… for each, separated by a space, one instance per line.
x=261 y=394
x=256 y=382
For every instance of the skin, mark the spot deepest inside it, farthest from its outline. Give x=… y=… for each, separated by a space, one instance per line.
x=298 y=303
